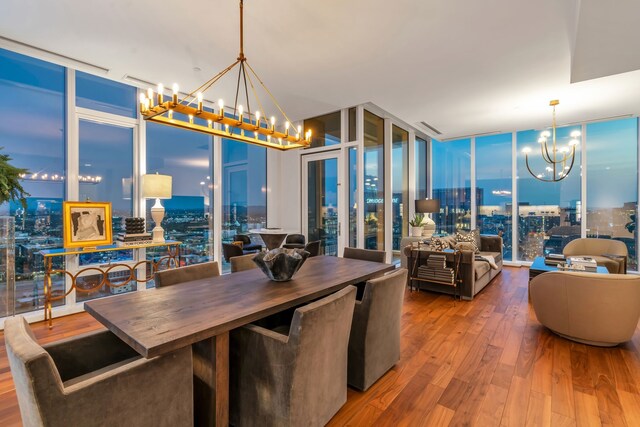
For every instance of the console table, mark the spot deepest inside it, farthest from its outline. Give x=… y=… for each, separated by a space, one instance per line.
x=452 y=258
x=171 y=260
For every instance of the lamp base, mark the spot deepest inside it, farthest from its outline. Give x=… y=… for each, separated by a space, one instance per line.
x=429 y=227
x=157 y=213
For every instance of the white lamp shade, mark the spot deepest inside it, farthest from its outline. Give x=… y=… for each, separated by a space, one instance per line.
x=155 y=186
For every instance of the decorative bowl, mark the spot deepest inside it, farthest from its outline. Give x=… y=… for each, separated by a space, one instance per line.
x=281 y=264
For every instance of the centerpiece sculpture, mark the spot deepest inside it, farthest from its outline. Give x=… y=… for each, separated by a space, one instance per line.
x=281 y=264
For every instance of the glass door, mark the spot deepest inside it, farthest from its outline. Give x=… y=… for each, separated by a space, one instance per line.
x=321 y=215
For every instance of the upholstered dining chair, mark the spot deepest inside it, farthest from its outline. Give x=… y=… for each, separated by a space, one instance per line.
x=364 y=254
x=313 y=248
x=294 y=379
x=294 y=241
x=242 y=263
x=175 y=276
x=374 y=342
x=230 y=250
x=96 y=379
x=247 y=244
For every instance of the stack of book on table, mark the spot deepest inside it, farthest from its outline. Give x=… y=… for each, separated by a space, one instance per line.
x=583 y=263
x=124 y=239
x=554 y=259
x=436 y=269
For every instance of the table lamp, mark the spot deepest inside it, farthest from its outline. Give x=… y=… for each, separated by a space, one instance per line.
x=155 y=186
x=428 y=206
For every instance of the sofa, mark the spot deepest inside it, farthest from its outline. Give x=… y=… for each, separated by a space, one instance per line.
x=608 y=253
x=591 y=308
x=475 y=273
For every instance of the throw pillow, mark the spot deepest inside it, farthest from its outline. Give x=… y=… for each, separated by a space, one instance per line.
x=438 y=244
x=471 y=237
x=465 y=246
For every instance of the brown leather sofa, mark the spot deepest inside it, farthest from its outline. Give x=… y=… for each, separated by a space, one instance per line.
x=475 y=274
x=595 y=309
x=608 y=253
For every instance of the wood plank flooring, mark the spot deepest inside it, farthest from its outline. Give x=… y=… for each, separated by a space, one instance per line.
x=487 y=362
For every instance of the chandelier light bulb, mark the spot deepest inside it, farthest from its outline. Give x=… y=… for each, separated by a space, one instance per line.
x=273 y=121
x=526 y=150
x=174 y=98
x=160 y=93
x=575 y=134
x=546 y=134
x=542 y=140
x=220 y=104
x=574 y=142
x=170 y=114
x=200 y=97
x=176 y=88
x=286 y=125
x=564 y=150
x=258 y=117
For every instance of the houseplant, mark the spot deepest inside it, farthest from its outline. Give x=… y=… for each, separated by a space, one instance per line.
x=10 y=190
x=10 y=187
x=416 y=225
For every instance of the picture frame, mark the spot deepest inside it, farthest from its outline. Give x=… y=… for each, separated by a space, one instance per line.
x=86 y=224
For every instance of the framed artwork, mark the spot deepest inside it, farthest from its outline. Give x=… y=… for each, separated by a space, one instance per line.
x=86 y=224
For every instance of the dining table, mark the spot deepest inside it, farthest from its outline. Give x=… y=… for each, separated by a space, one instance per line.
x=201 y=314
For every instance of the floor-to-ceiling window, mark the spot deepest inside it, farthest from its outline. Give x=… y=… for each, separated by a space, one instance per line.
x=32 y=132
x=373 y=181
x=244 y=189
x=452 y=184
x=612 y=182
x=400 y=184
x=353 y=197
x=548 y=212
x=421 y=163
x=493 y=187
x=186 y=156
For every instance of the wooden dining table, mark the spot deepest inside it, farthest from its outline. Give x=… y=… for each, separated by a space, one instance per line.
x=202 y=312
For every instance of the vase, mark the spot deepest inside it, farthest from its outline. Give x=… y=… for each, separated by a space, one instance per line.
x=7 y=266
x=416 y=231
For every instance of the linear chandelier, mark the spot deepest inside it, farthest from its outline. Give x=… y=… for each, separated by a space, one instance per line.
x=559 y=160
x=238 y=125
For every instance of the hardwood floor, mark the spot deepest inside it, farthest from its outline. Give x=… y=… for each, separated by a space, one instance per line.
x=487 y=362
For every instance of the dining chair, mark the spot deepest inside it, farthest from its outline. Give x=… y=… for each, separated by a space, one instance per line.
x=313 y=248
x=294 y=241
x=97 y=379
x=243 y=263
x=364 y=254
x=374 y=342
x=230 y=250
x=247 y=244
x=174 y=276
x=298 y=378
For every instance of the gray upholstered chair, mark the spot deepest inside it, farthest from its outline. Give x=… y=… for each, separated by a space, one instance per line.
x=364 y=254
x=374 y=343
x=96 y=379
x=242 y=263
x=608 y=253
x=591 y=308
x=175 y=276
x=295 y=379
x=313 y=248
x=294 y=241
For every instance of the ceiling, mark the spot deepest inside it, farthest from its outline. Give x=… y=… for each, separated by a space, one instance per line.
x=462 y=67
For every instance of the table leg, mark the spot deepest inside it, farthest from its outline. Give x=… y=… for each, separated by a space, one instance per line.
x=211 y=381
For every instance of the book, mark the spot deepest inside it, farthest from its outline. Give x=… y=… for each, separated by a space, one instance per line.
x=136 y=243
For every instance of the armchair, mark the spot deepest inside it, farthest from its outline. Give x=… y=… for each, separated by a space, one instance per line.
x=608 y=253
